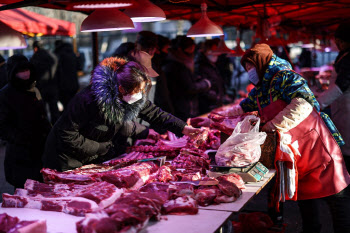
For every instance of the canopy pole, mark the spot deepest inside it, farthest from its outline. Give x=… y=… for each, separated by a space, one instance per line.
x=94 y=49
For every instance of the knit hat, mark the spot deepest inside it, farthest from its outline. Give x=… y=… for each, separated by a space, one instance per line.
x=343 y=32
x=260 y=56
x=16 y=63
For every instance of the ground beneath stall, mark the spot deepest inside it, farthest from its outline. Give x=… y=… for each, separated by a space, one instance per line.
x=258 y=203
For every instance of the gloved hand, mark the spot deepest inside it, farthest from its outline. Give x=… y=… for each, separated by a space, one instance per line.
x=190 y=131
x=153 y=135
x=235 y=111
x=103 y=148
x=200 y=122
x=292 y=115
x=327 y=97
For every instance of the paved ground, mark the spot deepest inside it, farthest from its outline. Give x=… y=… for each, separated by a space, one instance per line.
x=258 y=203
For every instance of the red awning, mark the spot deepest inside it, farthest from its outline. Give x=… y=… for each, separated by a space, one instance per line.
x=28 y=22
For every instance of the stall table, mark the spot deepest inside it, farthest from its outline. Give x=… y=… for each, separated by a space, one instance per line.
x=248 y=193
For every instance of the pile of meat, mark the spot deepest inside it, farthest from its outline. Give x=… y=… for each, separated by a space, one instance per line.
x=70 y=198
x=9 y=224
x=123 y=194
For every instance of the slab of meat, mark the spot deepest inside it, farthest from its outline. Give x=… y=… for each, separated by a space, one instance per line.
x=130 y=177
x=181 y=206
x=155 y=151
x=67 y=198
x=130 y=212
x=11 y=224
x=233 y=178
x=190 y=161
x=206 y=195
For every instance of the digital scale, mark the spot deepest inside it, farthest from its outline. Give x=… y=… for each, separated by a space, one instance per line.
x=252 y=173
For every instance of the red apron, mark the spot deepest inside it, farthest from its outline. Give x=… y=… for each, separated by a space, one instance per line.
x=321 y=169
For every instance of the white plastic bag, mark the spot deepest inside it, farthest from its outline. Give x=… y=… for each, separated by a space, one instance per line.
x=243 y=146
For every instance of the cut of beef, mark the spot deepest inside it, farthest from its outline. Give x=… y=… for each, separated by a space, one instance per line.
x=233 y=178
x=206 y=195
x=130 y=213
x=10 y=224
x=181 y=206
x=190 y=161
x=130 y=177
x=67 y=198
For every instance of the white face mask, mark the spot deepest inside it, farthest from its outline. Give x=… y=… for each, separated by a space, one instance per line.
x=253 y=76
x=130 y=99
x=23 y=75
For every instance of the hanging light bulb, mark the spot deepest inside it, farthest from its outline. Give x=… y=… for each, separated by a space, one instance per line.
x=145 y=11
x=110 y=19
x=238 y=50
x=204 y=27
x=11 y=39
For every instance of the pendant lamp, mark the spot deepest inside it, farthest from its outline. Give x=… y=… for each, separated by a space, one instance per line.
x=11 y=39
x=145 y=11
x=97 y=4
x=110 y=19
x=204 y=27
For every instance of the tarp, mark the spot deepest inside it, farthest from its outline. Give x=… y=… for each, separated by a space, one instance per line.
x=31 y=23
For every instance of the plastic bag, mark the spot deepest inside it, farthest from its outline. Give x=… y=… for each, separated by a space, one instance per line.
x=243 y=146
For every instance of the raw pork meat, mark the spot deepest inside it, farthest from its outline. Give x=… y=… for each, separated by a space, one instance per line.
x=11 y=224
x=181 y=206
x=67 y=198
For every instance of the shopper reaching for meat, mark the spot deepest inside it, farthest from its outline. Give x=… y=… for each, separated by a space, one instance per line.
x=286 y=104
x=102 y=111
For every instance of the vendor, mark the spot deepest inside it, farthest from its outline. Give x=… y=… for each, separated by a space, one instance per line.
x=286 y=104
x=107 y=107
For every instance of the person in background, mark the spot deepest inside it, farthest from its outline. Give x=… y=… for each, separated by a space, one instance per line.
x=146 y=43
x=183 y=84
x=162 y=97
x=124 y=49
x=3 y=72
x=67 y=72
x=107 y=107
x=23 y=123
x=45 y=66
x=205 y=67
x=305 y=58
x=338 y=94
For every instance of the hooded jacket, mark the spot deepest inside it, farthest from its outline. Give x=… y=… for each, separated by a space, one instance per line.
x=23 y=124
x=97 y=115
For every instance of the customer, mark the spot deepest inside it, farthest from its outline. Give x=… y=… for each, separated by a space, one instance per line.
x=286 y=104
x=67 y=72
x=3 y=72
x=183 y=84
x=23 y=123
x=338 y=94
x=45 y=65
x=124 y=49
x=107 y=107
x=205 y=66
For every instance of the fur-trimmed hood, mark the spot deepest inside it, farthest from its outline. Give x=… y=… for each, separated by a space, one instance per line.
x=104 y=86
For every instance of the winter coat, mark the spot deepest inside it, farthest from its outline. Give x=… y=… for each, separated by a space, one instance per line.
x=320 y=168
x=97 y=115
x=3 y=75
x=24 y=125
x=213 y=98
x=184 y=86
x=45 y=67
x=340 y=108
x=285 y=86
x=67 y=69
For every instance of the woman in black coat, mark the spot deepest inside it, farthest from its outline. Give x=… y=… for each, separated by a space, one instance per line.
x=103 y=110
x=23 y=123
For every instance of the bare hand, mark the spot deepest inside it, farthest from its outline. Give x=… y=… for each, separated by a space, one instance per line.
x=191 y=132
x=268 y=127
x=153 y=135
